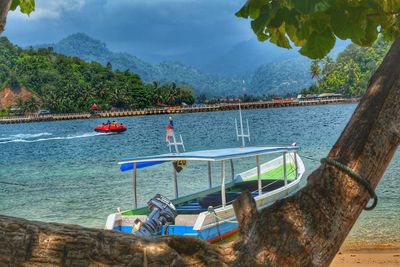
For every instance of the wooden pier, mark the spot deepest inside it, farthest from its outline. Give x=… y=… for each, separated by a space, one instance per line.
x=172 y=110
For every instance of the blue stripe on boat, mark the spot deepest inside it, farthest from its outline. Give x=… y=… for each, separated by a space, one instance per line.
x=217 y=154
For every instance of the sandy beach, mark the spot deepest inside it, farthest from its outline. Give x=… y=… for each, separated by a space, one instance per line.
x=364 y=258
x=367 y=255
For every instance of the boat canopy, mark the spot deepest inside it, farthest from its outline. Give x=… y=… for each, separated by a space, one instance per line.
x=203 y=155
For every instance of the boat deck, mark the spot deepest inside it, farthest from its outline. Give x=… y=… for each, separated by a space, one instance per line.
x=214 y=200
x=199 y=202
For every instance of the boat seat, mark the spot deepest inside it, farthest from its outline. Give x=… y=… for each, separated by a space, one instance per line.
x=215 y=199
x=192 y=207
x=190 y=210
x=268 y=185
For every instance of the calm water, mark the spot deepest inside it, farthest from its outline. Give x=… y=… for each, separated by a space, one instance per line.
x=63 y=172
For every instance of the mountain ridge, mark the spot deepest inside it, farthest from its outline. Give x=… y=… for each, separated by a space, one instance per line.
x=207 y=80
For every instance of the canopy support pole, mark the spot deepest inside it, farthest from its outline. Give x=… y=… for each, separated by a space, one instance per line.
x=209 y=174
x=241 y=126
x=134 y=186
x=284 y=167
x=175 y=144
x=259 y=175
x=295 y=163
x=175 y=182
x=223 y=196
x=232 y=170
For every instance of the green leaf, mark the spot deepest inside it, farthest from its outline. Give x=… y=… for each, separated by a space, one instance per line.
x=251 y=9
x=302 y=20
x=277 y=20
x=278 y=36
x=390 y=33
x=389 y=5
x=292 y=33
x=304 y=29
x=262 y=37
x=291 y=17
x=319 y=22
x=371 y=33
x=350 y=23
x=258 y=25
x=14 y=4
x=26 y=6
x=310 y=6
x=318 y=45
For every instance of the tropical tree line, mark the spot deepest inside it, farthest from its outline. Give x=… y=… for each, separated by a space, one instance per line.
x=349 y=73
x=245 y=98
x=68 y=84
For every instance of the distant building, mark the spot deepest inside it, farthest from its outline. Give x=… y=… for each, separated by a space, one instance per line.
x=329 y=96
x=323 y=96
x=14 y=110
x=94 y=106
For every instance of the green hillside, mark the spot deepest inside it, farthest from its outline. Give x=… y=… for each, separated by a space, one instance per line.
x=69 y=84
x=88 y=49
x=287 y=76
x=267 y=79
x=209 y=84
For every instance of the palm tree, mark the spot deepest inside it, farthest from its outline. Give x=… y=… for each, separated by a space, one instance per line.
x=173 y=93
x=315 y=69
x=328 y=66
x=157 y=88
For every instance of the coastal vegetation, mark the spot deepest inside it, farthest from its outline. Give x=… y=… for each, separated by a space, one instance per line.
x=305 y=229
x=350 y=72
x=89 y=49
x=65 y=84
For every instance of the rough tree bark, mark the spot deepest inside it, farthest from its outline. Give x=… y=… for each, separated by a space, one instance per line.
x=306 y=229
x=30 y=243
x=309 y=228
x=4 y=7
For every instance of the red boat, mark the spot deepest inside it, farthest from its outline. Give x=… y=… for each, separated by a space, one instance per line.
x=111 y=128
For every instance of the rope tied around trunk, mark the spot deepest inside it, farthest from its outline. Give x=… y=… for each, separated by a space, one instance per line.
x=358 y=178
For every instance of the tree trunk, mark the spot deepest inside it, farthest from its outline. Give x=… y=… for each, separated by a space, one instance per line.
x=306 y=229
x=309 y=228
x=28 y=243
x=4 y=7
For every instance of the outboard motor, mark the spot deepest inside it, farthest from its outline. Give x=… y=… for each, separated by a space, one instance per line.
x=162 y=212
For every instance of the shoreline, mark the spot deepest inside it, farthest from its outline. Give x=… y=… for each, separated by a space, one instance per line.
x=174 y=110
x=367 y=254
x=372 y=257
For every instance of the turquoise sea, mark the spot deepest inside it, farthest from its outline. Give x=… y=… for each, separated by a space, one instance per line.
x=64 y=172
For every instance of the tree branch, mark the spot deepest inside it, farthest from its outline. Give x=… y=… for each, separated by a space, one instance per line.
x=308 y=228
x=4 y=8
x=39 y=243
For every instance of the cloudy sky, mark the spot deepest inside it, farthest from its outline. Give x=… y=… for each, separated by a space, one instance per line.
x=146 y=28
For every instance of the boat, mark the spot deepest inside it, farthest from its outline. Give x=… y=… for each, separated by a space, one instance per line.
x=208 y=214
x=111 y=128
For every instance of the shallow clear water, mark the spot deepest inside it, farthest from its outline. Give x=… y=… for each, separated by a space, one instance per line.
x=64 y=172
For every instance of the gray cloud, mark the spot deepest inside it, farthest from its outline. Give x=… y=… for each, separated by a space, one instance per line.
x=151 y=29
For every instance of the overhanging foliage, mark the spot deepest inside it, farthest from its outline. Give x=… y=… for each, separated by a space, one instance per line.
x=314 y=25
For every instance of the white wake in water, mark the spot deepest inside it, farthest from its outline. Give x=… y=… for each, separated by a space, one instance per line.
x=30 y=138
x=23 y=136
